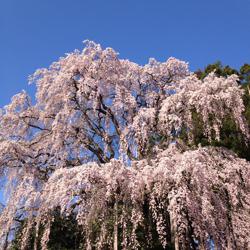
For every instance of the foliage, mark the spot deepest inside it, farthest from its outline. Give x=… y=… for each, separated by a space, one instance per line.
x=218 y=69
x=177 y=198
x=65 y=234
x=111 y=155
x=231 y=137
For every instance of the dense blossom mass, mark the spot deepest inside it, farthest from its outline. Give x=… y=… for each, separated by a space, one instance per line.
x=109 y=142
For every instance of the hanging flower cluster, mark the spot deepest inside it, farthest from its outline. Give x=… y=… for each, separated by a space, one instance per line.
x=98 y=144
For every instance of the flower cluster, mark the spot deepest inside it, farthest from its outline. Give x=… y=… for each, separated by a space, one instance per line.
x=98 y=144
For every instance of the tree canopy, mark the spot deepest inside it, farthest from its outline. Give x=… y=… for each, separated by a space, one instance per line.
x=123 y=156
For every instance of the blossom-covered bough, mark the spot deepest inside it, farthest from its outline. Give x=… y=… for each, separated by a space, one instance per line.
x=103 y=143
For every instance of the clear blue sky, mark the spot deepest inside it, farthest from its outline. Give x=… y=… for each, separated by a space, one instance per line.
x=35 y=33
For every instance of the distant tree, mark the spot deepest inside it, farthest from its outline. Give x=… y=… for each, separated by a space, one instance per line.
x=110 y=156
x=218 y=69
x=245 y=73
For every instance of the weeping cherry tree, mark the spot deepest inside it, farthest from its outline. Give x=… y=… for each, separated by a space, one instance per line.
x=109 y=144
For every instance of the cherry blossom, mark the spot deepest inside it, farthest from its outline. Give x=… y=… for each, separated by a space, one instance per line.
x=102 y=143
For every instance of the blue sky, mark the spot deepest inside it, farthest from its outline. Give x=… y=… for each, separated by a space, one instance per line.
x=35 y=33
